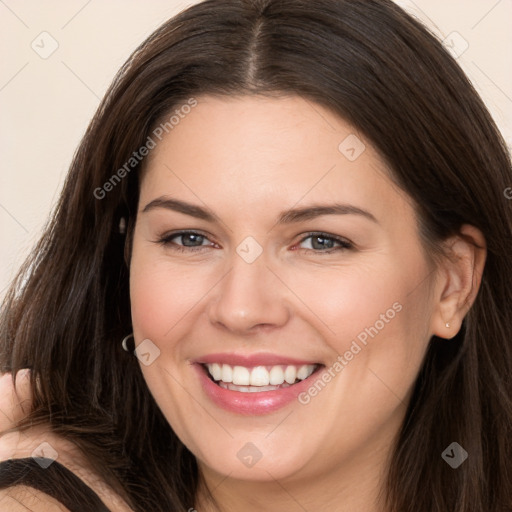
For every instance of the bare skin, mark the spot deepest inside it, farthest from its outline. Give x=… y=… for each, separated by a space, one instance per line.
x=246 y=160
x=15 y=403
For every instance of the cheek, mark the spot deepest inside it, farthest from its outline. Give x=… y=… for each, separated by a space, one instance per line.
x=162 y=300
x=161 y=295
x=375 y=317
x=348 y=300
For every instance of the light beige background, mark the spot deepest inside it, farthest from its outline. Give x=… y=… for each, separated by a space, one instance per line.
x=46 y=104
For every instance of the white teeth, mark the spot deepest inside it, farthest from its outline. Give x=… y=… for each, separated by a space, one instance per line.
x=260 y=377
x=216 y=371
x=276 y=376
x=241 y=376
x=251 y=389
x=290 y=374
x=303 y=372
x=227 y=373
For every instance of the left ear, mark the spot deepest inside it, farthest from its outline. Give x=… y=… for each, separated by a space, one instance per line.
x=459 y=280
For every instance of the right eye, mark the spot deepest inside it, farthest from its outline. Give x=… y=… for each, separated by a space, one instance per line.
x=187 y=241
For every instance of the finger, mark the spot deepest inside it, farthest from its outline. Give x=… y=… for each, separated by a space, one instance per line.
x=15 y=400
x=23 y=394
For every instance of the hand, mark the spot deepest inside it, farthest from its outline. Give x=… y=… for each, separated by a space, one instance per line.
x=15 y=404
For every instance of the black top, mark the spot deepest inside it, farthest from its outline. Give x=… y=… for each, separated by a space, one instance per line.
x=52 y=478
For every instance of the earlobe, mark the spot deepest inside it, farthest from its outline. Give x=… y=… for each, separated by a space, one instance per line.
x=460 y=276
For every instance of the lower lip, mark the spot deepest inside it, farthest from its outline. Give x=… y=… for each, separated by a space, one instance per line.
x=261 y=402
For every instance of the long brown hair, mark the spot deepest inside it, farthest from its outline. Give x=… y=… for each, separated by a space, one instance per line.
x=367 y=60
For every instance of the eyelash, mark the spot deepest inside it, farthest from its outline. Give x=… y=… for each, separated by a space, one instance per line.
x=166 y=241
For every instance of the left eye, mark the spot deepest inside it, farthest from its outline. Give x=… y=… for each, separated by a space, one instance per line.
x=322 y=242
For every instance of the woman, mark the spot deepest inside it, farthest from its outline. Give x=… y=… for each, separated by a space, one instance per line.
x=291 y=217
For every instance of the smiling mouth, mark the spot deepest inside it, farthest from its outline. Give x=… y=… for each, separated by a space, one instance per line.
x=258 y=378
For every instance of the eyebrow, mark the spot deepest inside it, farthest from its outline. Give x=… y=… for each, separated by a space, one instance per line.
x=287 y=217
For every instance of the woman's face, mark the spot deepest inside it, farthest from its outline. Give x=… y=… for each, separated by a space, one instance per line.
x=303 y=257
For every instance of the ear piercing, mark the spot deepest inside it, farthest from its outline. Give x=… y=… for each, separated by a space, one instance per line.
x=447 y=325
x=124 y=343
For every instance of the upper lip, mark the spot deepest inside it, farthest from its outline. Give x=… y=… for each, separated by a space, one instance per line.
x=250 y=360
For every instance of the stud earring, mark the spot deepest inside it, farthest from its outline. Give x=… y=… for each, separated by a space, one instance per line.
x=447 y=325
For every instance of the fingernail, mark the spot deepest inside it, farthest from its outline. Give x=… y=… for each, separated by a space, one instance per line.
x=24 y=373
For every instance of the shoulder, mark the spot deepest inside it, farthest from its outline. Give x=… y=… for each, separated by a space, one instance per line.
x=22 y=498
x=40 y=441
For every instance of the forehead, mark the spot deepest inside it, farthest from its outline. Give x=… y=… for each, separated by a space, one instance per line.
x=254 y=151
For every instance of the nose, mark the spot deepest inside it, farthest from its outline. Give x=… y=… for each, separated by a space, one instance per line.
x=249 y=298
